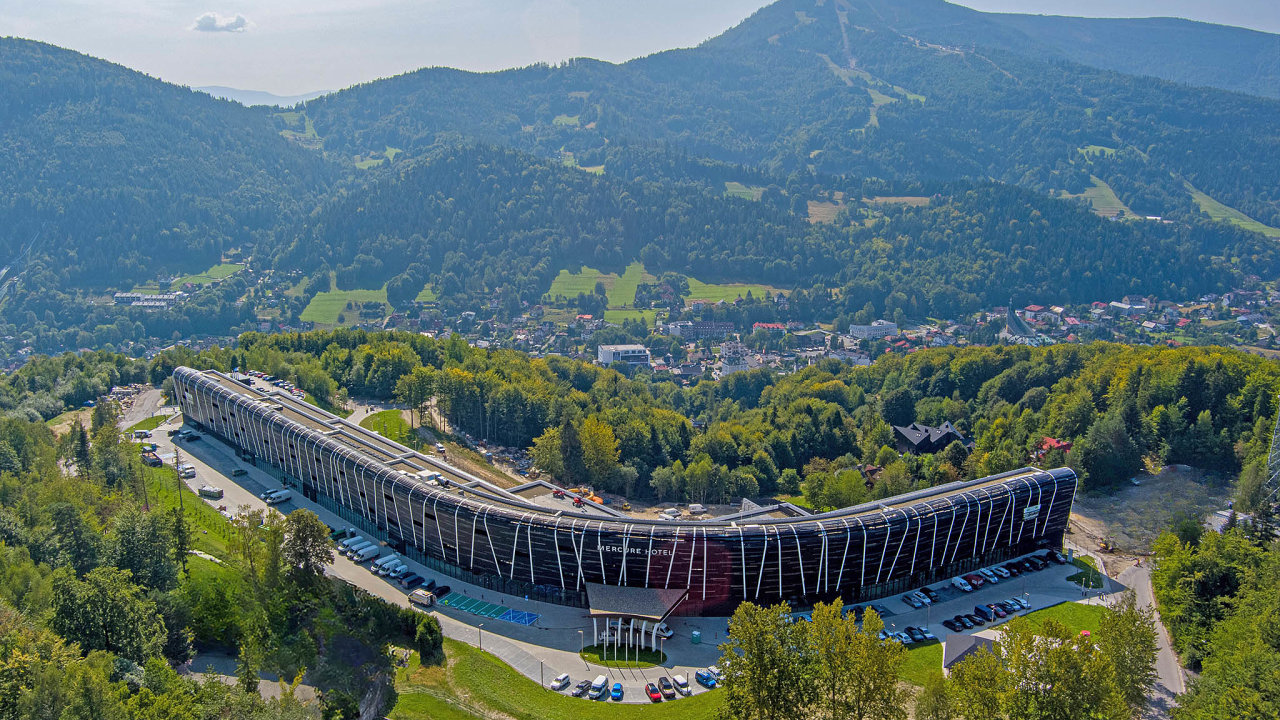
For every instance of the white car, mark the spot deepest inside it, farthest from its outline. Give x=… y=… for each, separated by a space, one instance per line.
x=682 y=684
x=961 y=584
x=664 y=631
x=560 y=682
x=1004 y=574
x=990 y=576
x=924 y=599
x=1021 y=602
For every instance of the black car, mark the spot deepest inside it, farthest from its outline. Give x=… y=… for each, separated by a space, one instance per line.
x=411 y=580
x=976 y=619
x=952 y=625
x=1053 y=557
x=668 y=690
x=431 y=585
x=1027 y=565
x=915 y=634
x=930 y=593
x=1037 y=563
x=441 y=591
x=965 y=622
x=192 y=438
x=1013 y=569
x=581 y=688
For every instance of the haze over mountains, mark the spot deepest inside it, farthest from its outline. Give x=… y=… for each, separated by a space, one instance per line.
x=122 y=178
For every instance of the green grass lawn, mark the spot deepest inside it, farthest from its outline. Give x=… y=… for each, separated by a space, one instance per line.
x=217 y=272
x=325 y=307
x=617 y=316
x=922 y=661
x=715 y=292
x=620 y=290
x=1104 y=200
x=1224 y=213
x=476 y=684
x=1074 y=615
x=1090 y=150
x=566 y=120
x=209 y=530
x=150 y=423
x=1088 y=574
x=427 y=295
x=389 y=424
x=596 y=654
x=746 y=192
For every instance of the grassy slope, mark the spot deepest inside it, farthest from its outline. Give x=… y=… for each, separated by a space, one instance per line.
x=150 y=423
x=326 y=306
x=389 y=424
x=217 y=272
x=476 y=684
x=1224 y=213
x=1103 y=199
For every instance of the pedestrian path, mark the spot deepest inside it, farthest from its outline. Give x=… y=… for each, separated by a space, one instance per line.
x=488 y=609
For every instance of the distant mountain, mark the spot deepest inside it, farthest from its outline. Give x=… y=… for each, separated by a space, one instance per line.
x=249 y=98
x=906 y=90
x=1183 y=51
x=125 y=177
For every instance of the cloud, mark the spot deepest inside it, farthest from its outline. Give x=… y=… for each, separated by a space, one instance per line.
x=213 y=22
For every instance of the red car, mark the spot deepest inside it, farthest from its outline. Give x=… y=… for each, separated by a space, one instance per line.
x=652 y=691
x=975 y=580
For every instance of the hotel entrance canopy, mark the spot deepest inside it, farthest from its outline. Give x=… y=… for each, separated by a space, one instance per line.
x=651 y=604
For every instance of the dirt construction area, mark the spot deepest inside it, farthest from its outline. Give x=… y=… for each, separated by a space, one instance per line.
x=1130 y=519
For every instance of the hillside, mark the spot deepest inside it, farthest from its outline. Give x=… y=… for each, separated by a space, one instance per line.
x=123 y=176
x=915 y=91
x=490 y=222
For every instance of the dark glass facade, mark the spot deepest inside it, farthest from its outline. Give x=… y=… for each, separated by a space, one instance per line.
x=855 y=554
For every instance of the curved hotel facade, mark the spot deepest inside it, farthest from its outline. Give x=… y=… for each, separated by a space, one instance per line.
x=524 y=541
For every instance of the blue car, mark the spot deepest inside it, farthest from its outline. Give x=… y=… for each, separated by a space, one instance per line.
x=616 y=691
x=705 y=679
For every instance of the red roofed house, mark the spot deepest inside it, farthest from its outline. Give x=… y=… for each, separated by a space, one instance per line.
x=1049 y=444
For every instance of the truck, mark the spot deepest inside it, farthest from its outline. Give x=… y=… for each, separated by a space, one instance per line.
x=210 y=491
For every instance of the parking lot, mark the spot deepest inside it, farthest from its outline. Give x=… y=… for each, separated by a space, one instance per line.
x=548 y=645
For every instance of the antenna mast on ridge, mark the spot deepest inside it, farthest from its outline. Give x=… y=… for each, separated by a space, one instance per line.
x=1271 y=488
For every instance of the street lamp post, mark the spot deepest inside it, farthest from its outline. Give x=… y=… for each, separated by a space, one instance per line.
x=480 y=634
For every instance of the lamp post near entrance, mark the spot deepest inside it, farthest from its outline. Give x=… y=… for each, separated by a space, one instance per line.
x=480 y=634
x=1026 y=605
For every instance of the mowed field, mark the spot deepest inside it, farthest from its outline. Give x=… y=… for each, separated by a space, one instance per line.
x=1103 y=199
x=621 y=290
x=1225 y=213
x=746 y=192
x=325 y=307
x=217 y=272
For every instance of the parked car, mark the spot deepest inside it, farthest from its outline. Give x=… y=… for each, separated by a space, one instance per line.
x=925 y=599
x=1055 y=557
x=269 y=493
x=581 y=688
x=615 y=693
x=914 y=633
x=999 y=611
x=952 y=625
x=349 y=541
x=1012 y=569
x=930 y=593
x=239 y=472
x=715 y=670
x=598 y=687
x=410 y=580
x=441 y=591
x=984 y=612
x=422 y=598
x=368 y=553
x=664 y=631
x=1001 y=572
x=682 y=684
x=651 y=690
x=668 y=690
x=210 y=491
x=560 y=682
x=977 y=620
x=961 y=584
x=975 y=580
x=1022 y=603
x=705 y=678
x=913 y=601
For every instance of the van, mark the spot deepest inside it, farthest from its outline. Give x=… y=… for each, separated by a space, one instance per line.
x=598 y=687
x=367 y=554
x=383 y=562
x=422 y=598
x=277 y=498
x=352 y=540
x=353 y=550
x=961 y=584
x=396 y=566
x=696 y=509
x=984 y=612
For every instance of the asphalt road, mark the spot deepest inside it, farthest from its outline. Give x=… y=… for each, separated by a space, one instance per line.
x=1170 y=679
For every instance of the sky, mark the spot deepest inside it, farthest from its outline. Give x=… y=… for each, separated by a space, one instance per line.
x=291 y=47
